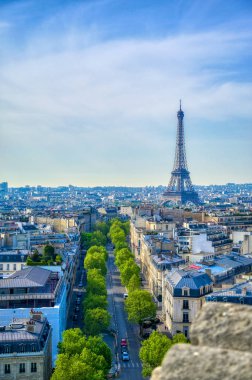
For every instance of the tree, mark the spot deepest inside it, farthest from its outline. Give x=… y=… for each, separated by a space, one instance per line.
x=81 y=357
x=95 y=260
x=103 y=227
x=179 y=338
x=76 y=368
x=127 y=270
x=36 y=257
x=58 y=259
x=139 y=306
x=153 y=351
x=100 y=249
x=86 y=239
x=92 y=301
x=98 y=238
x=122 y=256
x=99 y=347
x=49 y=250
x=134 y=283
x=73 y=342
x=96 y=321
x=96 y=284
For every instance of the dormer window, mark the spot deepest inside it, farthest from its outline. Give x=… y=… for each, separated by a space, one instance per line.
x=186 y=292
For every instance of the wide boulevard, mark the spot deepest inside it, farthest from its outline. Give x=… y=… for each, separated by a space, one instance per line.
x=128 y=369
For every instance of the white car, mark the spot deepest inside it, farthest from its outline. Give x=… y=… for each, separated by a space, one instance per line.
x=125 y=295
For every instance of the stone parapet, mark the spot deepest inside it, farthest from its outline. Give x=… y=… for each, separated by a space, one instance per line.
x=221 y=338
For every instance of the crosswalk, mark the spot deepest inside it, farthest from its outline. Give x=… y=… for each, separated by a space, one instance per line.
x=131 y=364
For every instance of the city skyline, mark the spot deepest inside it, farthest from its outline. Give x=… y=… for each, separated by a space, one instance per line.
x=90 y=90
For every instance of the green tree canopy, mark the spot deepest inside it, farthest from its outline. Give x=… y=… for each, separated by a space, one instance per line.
x=36 y=257
x=127 y=270
x=86 y=239
x=96 y=321
x=134 y=283
x=95 y=260
x=73 y=342
x=103 y=227
x=179 y=338
x=139 y=306
x=82 y=358
x=92 y=301
x=96 y=283
x=122 y=256
x=153 y=351
x=76 y=368
x=98 y=238
x=48 y=250
x=100 y=249
x=99 y=347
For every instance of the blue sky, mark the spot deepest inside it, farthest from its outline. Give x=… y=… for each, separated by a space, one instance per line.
x=89 y=90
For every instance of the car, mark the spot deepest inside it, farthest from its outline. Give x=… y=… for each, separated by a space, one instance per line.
x=124 y=342
x=80 y=285
x=125 y=295
x=77 y=309
x=75 y=317
x=124 y=349
x=78 y=301
x=125 y=356
x=79 y=294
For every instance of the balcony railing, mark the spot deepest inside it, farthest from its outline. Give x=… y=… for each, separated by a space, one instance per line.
x=26 y=296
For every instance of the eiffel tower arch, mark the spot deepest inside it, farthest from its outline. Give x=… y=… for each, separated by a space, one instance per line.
x=180 y=188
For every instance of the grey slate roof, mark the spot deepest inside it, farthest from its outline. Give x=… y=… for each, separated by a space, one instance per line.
x=26 y=278
x=188 y=279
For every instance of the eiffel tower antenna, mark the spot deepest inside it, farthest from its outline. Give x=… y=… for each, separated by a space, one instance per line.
x=180 y=188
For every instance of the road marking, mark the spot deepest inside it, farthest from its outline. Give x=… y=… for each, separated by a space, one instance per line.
x=137 y=364
x=133 y=365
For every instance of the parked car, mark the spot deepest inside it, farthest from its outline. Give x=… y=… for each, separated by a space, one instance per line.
x=79 y=294
x=77 y=309
x=75 y=317
x=125 y=356
x=78 y=301
x=124 y=342
x=125 y=295
x=80 y=285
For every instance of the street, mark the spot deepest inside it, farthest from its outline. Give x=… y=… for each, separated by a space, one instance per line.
x=129 y=369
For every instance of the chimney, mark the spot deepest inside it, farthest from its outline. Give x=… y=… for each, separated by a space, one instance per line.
x=37 y=315
x=209 y=272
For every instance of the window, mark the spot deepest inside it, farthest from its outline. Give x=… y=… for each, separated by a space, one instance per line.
x=7 y=349
x=185 y=317
x=14 y=266
x=33 y=367
x=8 y=267
x=21 y=367
x=185 y=292
x=185 y=304
x=7 y=368
x=22 y=348
x=167 y=227
x=1 y=266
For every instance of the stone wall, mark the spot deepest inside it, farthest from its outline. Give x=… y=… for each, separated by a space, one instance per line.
x=221 y=348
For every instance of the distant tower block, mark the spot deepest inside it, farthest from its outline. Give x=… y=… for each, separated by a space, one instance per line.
x=180 y=188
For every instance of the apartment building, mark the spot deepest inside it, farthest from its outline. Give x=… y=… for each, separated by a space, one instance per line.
x=198 y=241
x=11 y=261
x=40 y=288
x=184 y=293
x=26 y=348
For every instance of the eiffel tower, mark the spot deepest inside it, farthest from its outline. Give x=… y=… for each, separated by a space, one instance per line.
x=180 y=188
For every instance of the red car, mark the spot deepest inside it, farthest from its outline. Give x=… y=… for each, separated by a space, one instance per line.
x=124 y=342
